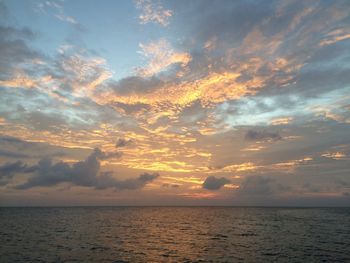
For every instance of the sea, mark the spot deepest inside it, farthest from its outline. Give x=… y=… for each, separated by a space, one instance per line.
x=174 y=234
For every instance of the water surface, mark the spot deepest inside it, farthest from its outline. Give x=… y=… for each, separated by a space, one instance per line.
x=174 y=234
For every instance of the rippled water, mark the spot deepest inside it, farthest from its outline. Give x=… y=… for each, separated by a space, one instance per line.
x=174 y=234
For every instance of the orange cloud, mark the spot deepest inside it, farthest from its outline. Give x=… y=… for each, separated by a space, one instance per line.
x=20 y=81
x=335 y=155
x=335 y=36
x=281 y=121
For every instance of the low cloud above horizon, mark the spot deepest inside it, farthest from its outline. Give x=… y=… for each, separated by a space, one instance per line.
x=174 y=103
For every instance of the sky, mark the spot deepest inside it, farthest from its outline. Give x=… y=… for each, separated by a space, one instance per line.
x=153 y=102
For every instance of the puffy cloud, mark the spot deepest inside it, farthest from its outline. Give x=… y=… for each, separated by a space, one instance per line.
x=8 y=170
x=262 y=136
x=215 y=183
x=84 y=173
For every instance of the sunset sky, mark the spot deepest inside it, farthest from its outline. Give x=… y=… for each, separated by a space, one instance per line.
x=154 y=102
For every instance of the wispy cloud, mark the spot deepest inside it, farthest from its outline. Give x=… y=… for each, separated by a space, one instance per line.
x=57 y=9
x=66 y=18
x=153 y=11
x=335 y=36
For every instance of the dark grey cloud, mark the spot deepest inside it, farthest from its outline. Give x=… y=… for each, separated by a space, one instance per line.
x=84 y=173
x=45 y=121
x=318 y=137
x=14 y=49
x=215 y=183
x=256 y=185
x=252 y=135
x=228 y=20
x=136 y=84
x=129 y=109
x=12 y=147
x=8 y=170
x=11 y=154
x=107 y=181
x=106 y=155
x=10 y=139
x=260 y=185
x=123 y=143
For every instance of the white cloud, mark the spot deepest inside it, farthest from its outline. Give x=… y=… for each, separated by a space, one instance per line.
x=161 y=55
x=153 y=11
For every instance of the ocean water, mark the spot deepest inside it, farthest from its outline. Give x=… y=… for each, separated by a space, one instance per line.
x=174 y=234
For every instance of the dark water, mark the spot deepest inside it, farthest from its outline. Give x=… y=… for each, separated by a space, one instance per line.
x=174 y=234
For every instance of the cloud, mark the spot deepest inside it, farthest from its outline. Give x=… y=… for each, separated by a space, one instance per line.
x=210 y=90
x=84 y=173
x=123 y=143
x=16 y=148
x=215 y=183
x=10 y=139
x=335 y=155
x=15 y=52
x=57 y=10
x=10 y=154
x=229 y=21
x=135 y=85
x=8 y=170
x=106 y=155
x=167 y=185
x=262 y=136
x=153 y=11
x=335 y=36
x=256 y=185
x=79 y=71
x=161 y=57
x=260 y=185
x=234 y=69
x=66 y=18
x=44 y=121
